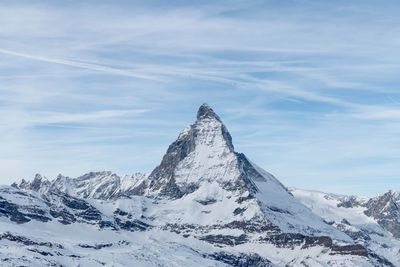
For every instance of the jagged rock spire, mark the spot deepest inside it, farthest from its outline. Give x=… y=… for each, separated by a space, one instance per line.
x=205 y=111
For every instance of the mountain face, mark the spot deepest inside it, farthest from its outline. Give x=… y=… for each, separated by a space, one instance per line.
x=371 y=222
x=386 y=210
x=204 y=205
x=97 y=185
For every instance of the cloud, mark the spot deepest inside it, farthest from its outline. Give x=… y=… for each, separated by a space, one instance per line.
x=378 y=113
x=76 y=64
x=56 y=117
x=305 y=88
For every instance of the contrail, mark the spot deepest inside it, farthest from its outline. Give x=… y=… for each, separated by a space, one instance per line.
x=82 y=65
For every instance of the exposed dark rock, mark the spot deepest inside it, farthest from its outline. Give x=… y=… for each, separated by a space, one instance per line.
x=162 y=175
x=15 y=214
x=207 y=201
x=38 y=217
x=75 y=203
x=275 y=209
x=329 y=222
x=349 y=202
x=137 y=190
x=37 y=184
x=360 y=235
x=81 y=208
x=91 y=214
x=171 y=189
x=251 y=226
x=241 y=260
x=392 y=226
x=179 y=228
x=120 y=212
x=96 y=246
x=74 y=256
x=256 y=225
x=240 y=200
x=63 y=215
x=206 y=112
x=229 y=240
x=11 y=211
x=41 y=252
x=26 y=241
x=124 y=242
x=134 y=225
x=357 y=249
x=290 y=240
x=344 y=221
x=379 y=260
x=248 y=173
x=238 y=211
x=107 y=224
x=386 y=211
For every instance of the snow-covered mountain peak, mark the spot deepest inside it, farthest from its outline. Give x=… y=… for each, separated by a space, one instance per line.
x=97 y=185
x=203 y=160
x=202 y=155
x=39 y=184
x=203 y=152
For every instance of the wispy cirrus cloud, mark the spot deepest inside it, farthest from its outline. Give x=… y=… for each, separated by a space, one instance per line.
x=77 y=64
x=293 y=80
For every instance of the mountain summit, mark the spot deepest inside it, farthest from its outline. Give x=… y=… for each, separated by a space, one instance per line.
x=203 y=152
x=205 y=111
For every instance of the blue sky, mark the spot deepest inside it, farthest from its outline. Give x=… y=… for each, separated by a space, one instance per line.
x=308 y=89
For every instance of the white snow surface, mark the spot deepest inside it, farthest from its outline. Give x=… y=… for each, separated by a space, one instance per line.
x=214 y=163
x=326 y=205
x=73 y=244
x=212 y=159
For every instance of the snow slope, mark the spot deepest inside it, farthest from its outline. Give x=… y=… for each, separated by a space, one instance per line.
x=204 y=205
x=352 y=219
x=108 y=239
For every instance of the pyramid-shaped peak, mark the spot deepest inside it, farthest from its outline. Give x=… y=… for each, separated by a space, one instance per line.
x=205 y=111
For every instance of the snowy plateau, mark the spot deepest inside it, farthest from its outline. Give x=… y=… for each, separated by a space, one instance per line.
x=204 y=205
